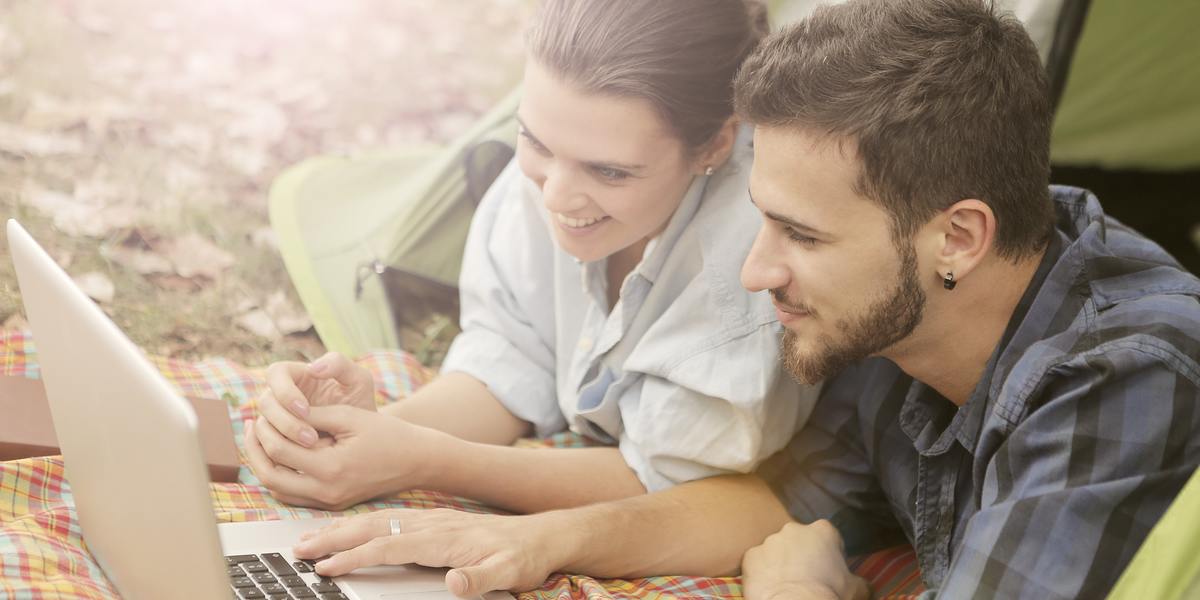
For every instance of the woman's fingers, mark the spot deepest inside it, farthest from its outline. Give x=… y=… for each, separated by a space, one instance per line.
x=285 y=406
x=286 y=422
x=281 y=480
x=338 y=367
x=285 y=452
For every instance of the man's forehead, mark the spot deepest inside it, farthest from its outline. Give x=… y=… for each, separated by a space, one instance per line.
x=809 y=178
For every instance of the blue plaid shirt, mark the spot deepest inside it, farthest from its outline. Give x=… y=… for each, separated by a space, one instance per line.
x=1080 y=433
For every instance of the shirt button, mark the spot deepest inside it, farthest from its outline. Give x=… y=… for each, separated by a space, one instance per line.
x=585 y=343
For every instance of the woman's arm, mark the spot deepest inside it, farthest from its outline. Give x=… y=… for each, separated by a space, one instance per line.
x=462 y=406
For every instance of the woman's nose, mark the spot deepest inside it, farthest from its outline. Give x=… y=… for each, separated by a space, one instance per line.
x=560 y=193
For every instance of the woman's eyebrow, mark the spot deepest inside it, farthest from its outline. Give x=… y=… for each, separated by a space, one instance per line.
x=591 y=163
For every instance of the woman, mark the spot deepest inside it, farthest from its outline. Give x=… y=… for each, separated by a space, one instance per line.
x=599 y=288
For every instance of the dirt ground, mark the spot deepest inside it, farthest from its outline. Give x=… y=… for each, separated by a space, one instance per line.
x=138 y=139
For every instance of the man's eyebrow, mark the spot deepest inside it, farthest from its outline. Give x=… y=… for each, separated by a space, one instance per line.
x=786 y=220
x=592 y=164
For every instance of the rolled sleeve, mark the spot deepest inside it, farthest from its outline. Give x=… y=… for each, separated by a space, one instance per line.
x=507 y=339
x=688 y=426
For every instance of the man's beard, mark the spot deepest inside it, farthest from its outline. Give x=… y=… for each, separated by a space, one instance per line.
x=892 y=318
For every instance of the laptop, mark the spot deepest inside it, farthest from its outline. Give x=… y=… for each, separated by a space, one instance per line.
x=132 y=456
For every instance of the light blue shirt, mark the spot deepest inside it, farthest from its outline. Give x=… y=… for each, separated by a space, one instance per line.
x=683 y=373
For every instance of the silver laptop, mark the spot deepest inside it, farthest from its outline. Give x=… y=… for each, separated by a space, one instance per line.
x=132 y=455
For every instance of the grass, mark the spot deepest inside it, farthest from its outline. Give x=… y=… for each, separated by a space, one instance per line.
x=184 y=112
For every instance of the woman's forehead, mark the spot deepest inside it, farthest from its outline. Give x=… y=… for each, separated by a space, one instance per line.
x=592 y=127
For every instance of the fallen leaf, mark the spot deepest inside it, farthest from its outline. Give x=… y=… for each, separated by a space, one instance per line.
x=259 y=323
x=288 y=318
x=23 y=142
x=16 y=322
x=97 y=286
x=138 y=261
x=175 y=283
x=264 y=237
x=247 y=159
x=78 y=217
x=194 y=256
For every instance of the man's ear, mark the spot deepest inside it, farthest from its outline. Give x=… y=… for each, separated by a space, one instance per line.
x=967 y=231
x=718 y=149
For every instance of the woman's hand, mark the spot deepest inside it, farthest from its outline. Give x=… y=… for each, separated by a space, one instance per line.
x=293 y=388
x=801 y=562
x=368 y=455
x=484 y=552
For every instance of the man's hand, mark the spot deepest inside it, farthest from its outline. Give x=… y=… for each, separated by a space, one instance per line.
x=369 y=455
x=801 y=561
x=484 y=552
x=293 y=388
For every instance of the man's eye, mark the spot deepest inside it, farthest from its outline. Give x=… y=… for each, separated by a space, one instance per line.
x=610 y=173
x=799 y=238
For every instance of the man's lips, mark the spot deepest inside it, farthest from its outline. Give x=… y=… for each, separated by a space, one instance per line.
x=799 y=312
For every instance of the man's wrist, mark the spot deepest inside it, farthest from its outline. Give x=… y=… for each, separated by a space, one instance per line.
x=437 y=451
x=572 y=535
x=807 y=590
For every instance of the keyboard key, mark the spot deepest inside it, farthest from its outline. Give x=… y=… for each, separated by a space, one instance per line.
x=334 y=596
x=278 y=564
x=302 y=593
x=242 y=582
x=235 y=571
x=292 y=581
x=239 y=558
x=261 y=578
x=303 y=566
x=272 y=588
x=278 y=597
x=251 y=594
x=325 y=586
x=254 y=567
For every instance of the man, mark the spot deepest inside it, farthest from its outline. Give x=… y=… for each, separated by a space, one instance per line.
x=1013 y=378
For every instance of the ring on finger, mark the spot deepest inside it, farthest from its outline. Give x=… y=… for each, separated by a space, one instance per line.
x=394 y=526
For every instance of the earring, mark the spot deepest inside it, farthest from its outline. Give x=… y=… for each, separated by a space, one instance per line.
x=708 y=170
x=948 y=281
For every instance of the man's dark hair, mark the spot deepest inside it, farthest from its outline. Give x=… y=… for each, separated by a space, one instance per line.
x=942 y=100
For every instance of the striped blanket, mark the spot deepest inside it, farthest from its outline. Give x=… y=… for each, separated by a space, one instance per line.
x=42 y=553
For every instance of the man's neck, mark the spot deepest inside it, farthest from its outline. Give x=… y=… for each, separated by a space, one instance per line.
x=962 y=327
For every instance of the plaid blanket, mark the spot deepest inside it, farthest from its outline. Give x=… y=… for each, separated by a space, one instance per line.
x=42 y=553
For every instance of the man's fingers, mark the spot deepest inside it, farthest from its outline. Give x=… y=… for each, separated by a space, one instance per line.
x=388 y=550
x=474 y=581
x=338 y=537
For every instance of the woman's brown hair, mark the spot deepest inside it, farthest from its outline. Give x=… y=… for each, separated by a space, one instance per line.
x=680 y=55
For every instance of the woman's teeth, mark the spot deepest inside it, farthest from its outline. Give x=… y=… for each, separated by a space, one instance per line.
x=577 y=223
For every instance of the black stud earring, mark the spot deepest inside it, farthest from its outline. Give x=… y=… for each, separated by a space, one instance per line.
x=948 y=281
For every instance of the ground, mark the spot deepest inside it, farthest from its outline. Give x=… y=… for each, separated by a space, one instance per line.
x=138 y=139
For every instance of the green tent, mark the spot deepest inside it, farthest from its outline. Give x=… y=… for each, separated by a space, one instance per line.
x=374 y=242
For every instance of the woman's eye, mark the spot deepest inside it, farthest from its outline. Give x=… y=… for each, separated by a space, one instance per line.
x=537 y=146
x=611 y=174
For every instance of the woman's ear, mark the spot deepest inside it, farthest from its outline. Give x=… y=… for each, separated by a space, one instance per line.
x=718 y=149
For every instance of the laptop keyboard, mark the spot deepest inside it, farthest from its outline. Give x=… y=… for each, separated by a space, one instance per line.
x=270 y=576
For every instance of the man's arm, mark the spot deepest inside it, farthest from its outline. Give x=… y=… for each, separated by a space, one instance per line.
x=700 y=528
x=1072 y=492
